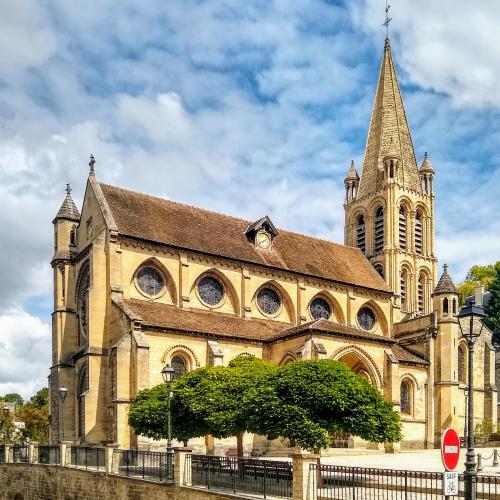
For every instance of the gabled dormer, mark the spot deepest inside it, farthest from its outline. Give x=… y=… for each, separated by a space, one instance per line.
x=261 y=233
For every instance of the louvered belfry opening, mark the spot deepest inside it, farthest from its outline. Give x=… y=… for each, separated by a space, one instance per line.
x=421 y=287
x=402 y=228
x=379 y=230
x=404 y=279
x=361 y=234
x=418 y=233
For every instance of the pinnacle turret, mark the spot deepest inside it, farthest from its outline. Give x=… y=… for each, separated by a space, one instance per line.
x=426 y=166
x=68 y=208
x=352 y=174
x=445 y=283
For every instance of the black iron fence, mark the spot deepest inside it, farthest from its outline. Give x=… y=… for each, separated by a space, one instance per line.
x=358 y=483
x=20 y=453
x=87 y=457
x=149 y=465
x=49 y=455
x=268 y=478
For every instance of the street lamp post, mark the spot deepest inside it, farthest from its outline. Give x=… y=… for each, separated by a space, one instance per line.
x=168 y=376
x=470 y=321
x=63 y=392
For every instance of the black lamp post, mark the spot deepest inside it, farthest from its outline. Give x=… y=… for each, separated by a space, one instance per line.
x=471 y=325
x=63 y=392
x=168 y=376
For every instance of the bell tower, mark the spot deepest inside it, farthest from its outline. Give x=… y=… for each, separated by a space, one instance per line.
x=389 y=209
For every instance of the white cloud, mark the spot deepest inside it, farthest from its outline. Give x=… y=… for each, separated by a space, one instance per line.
x=25 y=348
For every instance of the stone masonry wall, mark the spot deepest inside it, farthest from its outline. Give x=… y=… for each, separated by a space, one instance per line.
x=46 y=482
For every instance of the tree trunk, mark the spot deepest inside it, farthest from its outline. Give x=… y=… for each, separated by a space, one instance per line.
x=239 y=444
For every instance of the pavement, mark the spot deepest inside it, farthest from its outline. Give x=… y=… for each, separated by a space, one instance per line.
x=418 y=460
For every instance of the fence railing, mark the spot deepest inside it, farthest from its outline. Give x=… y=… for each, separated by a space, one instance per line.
x=49 y=455
x=20 y=453
x=359 y=483
x=149 y=465
x=268 y=478
x=87 y=457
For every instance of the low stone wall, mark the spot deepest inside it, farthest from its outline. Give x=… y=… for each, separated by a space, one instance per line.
x=49 y=482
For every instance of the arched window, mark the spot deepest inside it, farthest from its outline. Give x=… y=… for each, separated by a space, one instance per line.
x=445 y=306
x=82 y=304
x=402 y=227
x=360 y=234
x=421 y=294
x=82 y=389
x=380 y=269
x=405 y=393
x=418 y=233
x=178 y=363
x=379 y=230
x=454 y=306
x=461 y=364
x=404 y=290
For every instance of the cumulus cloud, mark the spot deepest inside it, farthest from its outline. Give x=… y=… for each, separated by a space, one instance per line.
x=248 y=109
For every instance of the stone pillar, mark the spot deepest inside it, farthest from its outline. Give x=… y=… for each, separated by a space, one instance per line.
x=33 y=452
x=65 y=449
x=182 y=470
x=111 y=465
x=9 y=458
x=305 y=484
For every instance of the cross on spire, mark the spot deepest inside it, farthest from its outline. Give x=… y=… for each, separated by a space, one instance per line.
x=68 y=189
x=91 y=164
x=387 y=19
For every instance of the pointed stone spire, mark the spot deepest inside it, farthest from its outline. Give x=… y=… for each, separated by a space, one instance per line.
x=445 y=283
x=352 y=174
x=68 y=208
x=426 y=166
x=388 y=133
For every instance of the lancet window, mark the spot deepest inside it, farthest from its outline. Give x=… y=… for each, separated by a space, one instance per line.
x=379 y=230
x=361 y=234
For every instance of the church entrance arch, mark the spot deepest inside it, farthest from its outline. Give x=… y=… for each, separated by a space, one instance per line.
x=360 y=363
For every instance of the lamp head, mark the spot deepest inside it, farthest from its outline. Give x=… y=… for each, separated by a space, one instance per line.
x=470 y=319
x=168 y=374
x=63 y=392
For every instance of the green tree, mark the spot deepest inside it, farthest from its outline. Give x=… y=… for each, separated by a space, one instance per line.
x=303 y=401
x=492 y=308
x=477 y=275
x=35 y=415
x=306 y=400
x=13 y=397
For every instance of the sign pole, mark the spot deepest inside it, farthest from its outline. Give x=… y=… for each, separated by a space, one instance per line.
x=450 y=455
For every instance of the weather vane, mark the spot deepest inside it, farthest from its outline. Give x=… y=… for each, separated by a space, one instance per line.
x=387 y=18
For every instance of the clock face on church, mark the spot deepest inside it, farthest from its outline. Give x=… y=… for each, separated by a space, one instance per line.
x=263 y=241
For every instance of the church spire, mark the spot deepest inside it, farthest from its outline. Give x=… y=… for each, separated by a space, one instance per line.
x=68 y=208
x=389 y=134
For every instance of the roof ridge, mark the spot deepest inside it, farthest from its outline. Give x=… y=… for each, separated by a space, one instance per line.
x=206 y=210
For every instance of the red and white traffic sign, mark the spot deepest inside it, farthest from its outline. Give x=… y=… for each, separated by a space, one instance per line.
x=450 y=449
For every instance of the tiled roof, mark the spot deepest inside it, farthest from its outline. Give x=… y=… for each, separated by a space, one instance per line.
x=68 y=209
x=155 y=219
x=323 y=326
x=405 y=356
x=156 y=315
x=445 y=283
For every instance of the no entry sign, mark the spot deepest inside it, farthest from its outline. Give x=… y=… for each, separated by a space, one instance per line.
x=450 y=449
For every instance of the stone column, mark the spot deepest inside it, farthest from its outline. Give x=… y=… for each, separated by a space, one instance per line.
x=182 y=470
x=65 y=449
x=305 y=484
x=33 y=452
x=8 y=454
x=111 y=465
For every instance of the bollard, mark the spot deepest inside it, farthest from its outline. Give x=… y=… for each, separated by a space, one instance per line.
x=479 y=462
x=495 y=458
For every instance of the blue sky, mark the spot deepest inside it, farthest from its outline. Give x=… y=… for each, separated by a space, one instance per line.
x=248 y=108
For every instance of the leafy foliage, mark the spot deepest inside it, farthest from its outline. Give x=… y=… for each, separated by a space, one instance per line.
x=492 y=308
x=484 y=428
x=35 y=415
x=13 y=397
x=306 y=400
x=477 y=275
x=303 y=401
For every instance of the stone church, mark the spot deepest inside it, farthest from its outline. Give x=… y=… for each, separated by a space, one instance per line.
x=141 y=281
